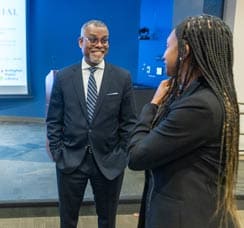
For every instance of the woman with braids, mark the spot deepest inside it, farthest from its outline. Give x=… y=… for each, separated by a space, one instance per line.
x=186 y=138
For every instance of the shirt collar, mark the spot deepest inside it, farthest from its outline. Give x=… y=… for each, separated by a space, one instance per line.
x=85 y=66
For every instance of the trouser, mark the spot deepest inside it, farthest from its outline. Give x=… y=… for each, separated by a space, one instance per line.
x=71 y=188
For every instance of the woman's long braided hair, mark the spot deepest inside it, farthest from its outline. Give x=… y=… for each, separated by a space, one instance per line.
x=211 y=45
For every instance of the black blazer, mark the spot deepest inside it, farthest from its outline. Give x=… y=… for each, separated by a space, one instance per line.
x=69 y=131
x=181 y=155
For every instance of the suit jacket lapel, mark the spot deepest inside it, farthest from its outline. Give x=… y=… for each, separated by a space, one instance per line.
x=79 y=87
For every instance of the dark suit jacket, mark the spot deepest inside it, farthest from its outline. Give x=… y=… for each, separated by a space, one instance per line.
x=181 y=155
x=69 y=131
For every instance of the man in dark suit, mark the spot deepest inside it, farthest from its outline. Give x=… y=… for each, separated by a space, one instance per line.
x=88 y=133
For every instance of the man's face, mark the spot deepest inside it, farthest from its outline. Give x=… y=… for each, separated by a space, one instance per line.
x=94 y=44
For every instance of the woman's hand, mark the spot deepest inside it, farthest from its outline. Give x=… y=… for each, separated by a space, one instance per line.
x=160 y=92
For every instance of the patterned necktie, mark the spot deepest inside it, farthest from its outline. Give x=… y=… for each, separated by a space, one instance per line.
x=91 y=93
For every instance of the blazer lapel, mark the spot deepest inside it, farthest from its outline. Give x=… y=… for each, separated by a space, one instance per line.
x=79 y=87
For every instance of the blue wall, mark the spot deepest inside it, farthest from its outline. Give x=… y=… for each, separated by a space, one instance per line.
x=54 y=28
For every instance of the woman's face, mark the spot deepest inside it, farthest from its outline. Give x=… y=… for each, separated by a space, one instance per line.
x=171 y=54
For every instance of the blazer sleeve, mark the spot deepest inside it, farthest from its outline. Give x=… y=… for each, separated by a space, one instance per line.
x=127 y=115
x=54 y=118
x=187 y=127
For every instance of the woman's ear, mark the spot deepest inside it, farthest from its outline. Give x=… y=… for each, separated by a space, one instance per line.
x=185 y=51
x=187 y=48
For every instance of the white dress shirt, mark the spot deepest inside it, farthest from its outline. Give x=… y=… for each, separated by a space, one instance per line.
x=98 y=75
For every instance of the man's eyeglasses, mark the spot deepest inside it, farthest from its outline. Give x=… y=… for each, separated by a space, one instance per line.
x=95 y=40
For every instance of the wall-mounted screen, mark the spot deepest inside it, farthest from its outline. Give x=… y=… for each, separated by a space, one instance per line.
x=155 y=26
x=13 y=49
x=158 y=18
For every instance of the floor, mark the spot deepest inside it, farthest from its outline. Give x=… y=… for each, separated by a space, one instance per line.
x=28 y=175
x=123 y=221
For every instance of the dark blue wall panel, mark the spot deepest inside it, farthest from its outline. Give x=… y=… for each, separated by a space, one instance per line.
x=54 y=28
